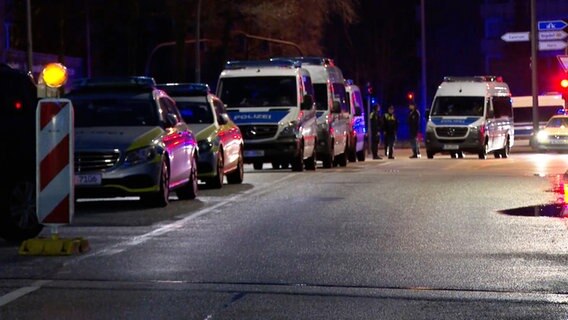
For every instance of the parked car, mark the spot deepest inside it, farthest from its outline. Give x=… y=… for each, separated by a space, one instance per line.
x=221 y=150
x=131 y=140
x=18 y=101
x=357 y=129
x=554 y=136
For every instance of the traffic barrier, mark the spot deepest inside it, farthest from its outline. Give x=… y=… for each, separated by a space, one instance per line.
x=54 y=181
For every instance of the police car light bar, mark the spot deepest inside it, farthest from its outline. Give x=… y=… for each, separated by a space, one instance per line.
x=241 y=64
x=141 y=82
x=474 y=79
x=317 y=61
x=185 y=89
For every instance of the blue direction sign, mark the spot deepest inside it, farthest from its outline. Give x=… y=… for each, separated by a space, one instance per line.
x=552 y=25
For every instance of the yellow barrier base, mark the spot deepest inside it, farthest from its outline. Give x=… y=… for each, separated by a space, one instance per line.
x=53 y=246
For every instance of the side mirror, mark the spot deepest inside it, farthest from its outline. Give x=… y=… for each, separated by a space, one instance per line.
x=308 y=103
x=358 y=111
x=171 y=120
x=427 y=113
x=223 y=119
x=336 y=108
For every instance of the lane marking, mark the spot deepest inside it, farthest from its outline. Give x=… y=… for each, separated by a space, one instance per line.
x=137 y=240
x=18 y=293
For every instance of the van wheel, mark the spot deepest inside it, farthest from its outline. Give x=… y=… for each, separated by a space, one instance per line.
x=506 y=149
x=328 y=158
x=311 y=161
x=483 y=152
x=341 y=160
x=353 y=150
x=298 y=161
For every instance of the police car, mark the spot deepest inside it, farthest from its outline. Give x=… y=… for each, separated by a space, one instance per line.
x=219 y=139
x=131 y=140
x=554 y=136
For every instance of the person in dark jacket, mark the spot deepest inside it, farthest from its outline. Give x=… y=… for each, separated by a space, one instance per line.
x=414 y=129
x=376 y=124
x=390 y=126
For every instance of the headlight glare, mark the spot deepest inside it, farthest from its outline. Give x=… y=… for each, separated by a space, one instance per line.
x=542 y=136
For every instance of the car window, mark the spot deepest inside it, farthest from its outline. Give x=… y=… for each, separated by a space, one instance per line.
x=458 y=106
x=194 y=112
x=558 y=123
x=170 y=107
x=115 y=112
x=340 y=94
x=277 y=91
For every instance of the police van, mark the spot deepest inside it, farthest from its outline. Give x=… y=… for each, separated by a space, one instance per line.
x=473 y=115
x=272 y=103
x=357 y=129
x=332 y=110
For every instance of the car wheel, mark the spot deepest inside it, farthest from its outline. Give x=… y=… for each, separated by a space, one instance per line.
x=162 y=196
x=18 y=217
x=237 y=176
x=298 y=161
x=189 y=191
x=217 y=181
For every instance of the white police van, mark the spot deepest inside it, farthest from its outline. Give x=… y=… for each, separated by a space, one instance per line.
x=357 y=128
x=473 y=115
x=332 y=110
x=272 y=103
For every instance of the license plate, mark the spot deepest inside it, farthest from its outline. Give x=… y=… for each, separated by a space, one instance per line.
x=254 y=153
x=451 y=147
x=88 y=179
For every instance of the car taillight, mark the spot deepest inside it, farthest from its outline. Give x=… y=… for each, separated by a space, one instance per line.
x=18 y=105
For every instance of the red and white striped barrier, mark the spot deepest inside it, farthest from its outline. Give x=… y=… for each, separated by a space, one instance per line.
x=54 y=161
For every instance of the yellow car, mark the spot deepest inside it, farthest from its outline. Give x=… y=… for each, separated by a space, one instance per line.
x=554 y=136
x=220 y=141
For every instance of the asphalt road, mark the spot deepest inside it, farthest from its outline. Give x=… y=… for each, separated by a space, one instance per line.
x=396 y=239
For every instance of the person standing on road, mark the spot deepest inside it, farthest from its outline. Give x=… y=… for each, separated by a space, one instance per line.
x=414 y=128
x=376 y=124
x=390 y=126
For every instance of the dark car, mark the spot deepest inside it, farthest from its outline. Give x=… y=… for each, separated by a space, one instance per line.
x=18 y=100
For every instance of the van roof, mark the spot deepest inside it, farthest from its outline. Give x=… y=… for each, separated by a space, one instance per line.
x=473 y=88
x=324 y=73
x=264 y=72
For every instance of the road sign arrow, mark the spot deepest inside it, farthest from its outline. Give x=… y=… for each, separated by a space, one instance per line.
x=552 y=35
x=552 y=25
x=563 y=59
x=551 y=45
x=515 y=37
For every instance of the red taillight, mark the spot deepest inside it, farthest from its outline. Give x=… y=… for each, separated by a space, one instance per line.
x=18 y=105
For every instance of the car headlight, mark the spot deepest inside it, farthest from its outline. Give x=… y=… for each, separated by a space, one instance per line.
x=140 y=155
x=204 y=145
x=291 y=130
x=542 y=136
x=429 y=128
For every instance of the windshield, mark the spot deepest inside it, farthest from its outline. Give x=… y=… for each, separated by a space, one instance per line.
x=115 y=113
x=259 y=92
x=458 y=106
x=195 y=112
x=320 y=91
x=557 y=123
x=524 y=114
